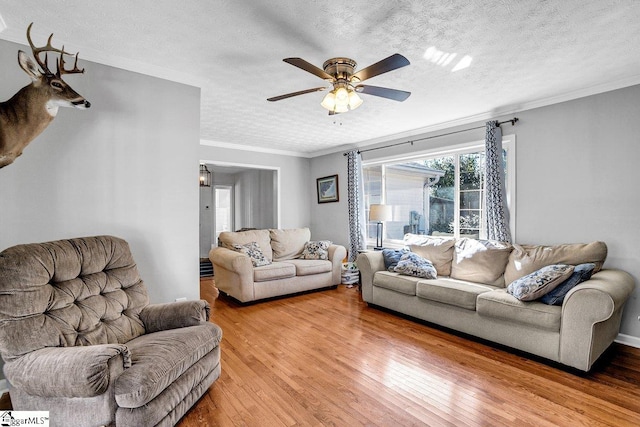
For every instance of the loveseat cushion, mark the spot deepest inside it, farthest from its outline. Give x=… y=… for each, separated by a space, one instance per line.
x=480 y=261
x=525 y=259
x=451 y=291
x=306 y=267
x=274 y=271
x=500 y=304
x=288 y=243
x=158 y=359
x=261 y=237
x=396 y=282
x=437 y=249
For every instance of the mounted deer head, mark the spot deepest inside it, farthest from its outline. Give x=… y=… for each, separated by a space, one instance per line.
x=32 y=108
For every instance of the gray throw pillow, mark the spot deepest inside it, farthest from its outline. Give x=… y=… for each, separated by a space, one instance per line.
x=581 y=273
x=252 y=250
x=534 y=285
x=411 y=264
x=316 y=250
x=392 y=257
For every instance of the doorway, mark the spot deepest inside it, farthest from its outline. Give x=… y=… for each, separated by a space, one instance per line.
x=240 y=196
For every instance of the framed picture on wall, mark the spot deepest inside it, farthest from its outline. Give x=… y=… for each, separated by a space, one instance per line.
x=327 y=189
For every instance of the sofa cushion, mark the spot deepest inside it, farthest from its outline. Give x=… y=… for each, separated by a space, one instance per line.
x=525 y=259
x=480 y=261
x=158 y=359
x=274 y=271
x=229 y=238
x=396 y=282
x=502 y=305
x=316 y=250
x=438 y=250
x=451 y=291
x=536 y=284
x=414 y=265
x=581 y=273
x=288 y=243
x=253 y=251
x=306 y=267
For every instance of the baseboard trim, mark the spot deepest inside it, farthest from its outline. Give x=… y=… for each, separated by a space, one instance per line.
x=628 y=340
x=4 y=387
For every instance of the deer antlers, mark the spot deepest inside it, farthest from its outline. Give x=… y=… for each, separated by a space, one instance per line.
x=49 y=48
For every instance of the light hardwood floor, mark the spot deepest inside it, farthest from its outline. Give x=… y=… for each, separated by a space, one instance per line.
x=326 y=358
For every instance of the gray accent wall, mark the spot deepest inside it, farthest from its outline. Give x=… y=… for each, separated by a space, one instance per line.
x=578 y=172
x=128 y=166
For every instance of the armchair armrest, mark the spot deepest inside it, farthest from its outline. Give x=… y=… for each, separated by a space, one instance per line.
x=591 y=315
x=83 y=371
x=174 y=315
x=368 y=263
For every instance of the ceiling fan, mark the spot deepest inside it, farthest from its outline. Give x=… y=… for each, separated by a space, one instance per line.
x=346 y=83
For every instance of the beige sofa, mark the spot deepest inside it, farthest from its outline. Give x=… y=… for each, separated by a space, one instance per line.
x=286 y=272
x=470 y=295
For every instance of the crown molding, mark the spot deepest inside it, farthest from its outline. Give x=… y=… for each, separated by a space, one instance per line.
x=503 y=111
x=242 y=147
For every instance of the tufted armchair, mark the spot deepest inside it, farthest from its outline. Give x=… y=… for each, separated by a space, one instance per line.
x=80 y=339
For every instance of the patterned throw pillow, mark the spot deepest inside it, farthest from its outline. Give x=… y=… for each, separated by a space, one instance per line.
x=581 y=273
x=392 y=257
x=411 y=264
x=252 y=249
x=534 y=285
x=316 y=250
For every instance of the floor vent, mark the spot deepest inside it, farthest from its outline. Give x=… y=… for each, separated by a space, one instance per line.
x=206 y=268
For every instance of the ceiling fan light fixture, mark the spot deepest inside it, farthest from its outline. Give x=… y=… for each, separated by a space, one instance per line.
x=329 y=101
x=341 y=108
x=354 y=100
x=342 y=97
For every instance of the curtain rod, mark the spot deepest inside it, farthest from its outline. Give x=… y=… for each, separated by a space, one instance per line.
x=512 y=121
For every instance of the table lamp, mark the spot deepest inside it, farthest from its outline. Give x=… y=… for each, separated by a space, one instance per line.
x=379 y=213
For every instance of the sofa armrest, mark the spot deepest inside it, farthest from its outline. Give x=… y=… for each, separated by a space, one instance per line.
x=233 y=273
x=591 y=315
x=337 y=254
x=173 y=315
x=230 y=260
x=368 y=263
x=83 y=371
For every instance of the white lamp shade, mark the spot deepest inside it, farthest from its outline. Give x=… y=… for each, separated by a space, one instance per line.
x=380 y=213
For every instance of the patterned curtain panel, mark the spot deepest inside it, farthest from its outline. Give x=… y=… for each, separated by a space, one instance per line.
x=355 y=194
x=496 y=194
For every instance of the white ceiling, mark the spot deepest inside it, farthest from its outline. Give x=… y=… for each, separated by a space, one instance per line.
x=525 y=53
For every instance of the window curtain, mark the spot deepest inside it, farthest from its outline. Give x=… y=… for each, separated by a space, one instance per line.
x=355 y=195
x=495 y=190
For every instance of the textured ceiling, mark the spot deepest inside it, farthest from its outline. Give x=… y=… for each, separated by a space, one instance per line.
x=523 y=53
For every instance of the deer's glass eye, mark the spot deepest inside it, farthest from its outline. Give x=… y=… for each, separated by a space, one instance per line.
x=56 y=85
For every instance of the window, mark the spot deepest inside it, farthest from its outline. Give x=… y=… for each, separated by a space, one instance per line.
x=224 y=209
x=437 y=193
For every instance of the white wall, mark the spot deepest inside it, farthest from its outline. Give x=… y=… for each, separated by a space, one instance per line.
x=578 y=171
x=293 y=177
x=128 y=166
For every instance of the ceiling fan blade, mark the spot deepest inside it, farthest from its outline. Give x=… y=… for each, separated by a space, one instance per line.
x=391 y=63
x=384 y=92
x=308 y=67
x=300 y=92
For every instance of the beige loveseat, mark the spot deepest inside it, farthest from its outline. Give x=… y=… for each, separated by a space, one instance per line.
x=286 y=271
x=470 y=295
